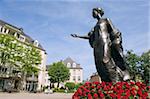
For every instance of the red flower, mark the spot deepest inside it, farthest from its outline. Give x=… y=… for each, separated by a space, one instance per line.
x=139 y=92
x=112 y=95
x=103 y=83
x=101 y=94
x=89 y=96
x=133 y=92
x=120 y=90
x=127 y=86
x=98 y=87
x=95 y=95
x=87 y=91
x=79 y=91
x=96 y=83
x=118 y=96
x=127 y=93
x=84 y=93
x=132 y=83
x=93 y=87
x=145 y=94
x=138 y=84
x=75 y=97
x=114 y=89
x=119 y=87
x=87 y=83
x=148 y=88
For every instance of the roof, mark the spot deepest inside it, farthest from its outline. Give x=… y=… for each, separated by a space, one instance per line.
x=68 y=60
x=30 y=40
x=71 y=61
x=3 y=23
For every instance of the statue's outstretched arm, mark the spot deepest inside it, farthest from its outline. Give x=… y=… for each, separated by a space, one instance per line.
x=77 y=36
x=85 y=36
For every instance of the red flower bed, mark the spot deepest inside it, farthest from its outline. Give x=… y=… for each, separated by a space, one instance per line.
x=108 y=90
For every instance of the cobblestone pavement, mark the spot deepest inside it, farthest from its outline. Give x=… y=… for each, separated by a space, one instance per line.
x=35 y=96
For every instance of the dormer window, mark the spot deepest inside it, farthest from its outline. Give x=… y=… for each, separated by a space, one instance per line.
x=3 y=29
x=7 y=31
x=22 y=38
x=15 y=34
x=74 y=64
x=68 y=65
x=36 y=43
x=0 y=28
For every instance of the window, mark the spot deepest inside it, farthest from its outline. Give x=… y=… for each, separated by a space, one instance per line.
x=36 y=43
x=74 y=78
x=74 y=64
x=0 y=28
x=7 y=31
x=79 y=78
x=3 y=30
x=68 y=65
x=15 y=34
x=22 y=38
x=79 y=71
x=74 y=71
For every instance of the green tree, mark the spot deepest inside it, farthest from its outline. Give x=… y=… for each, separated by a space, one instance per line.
x=58 y=72
x=16 y=54
x=145 y=65
x=133 y=61
x=139 y=65
x=6 y=50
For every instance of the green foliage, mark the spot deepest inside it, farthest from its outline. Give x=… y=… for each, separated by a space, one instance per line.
x=20 y=55
x=133 y=62
x=139 y=64
x=59 y=90
x=145 y=65
x=58 y=72
x=70 y=85
x=78 y=85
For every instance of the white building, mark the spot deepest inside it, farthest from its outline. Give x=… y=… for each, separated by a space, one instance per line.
x=76 y=71
x=47 y=77
x=6 y=28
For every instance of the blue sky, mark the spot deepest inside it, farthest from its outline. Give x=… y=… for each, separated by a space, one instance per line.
x=52 y=21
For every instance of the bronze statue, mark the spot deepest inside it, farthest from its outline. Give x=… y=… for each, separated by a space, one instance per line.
x=106 y=41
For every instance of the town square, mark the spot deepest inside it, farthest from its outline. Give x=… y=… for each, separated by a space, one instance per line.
x=35 y=96
x=74 y=49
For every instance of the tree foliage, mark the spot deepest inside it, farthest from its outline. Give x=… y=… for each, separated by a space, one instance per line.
x=58 y=72
x=145 y=65
x=70 y=85
x=139 y=64
x=14 y=53
x=133 y=62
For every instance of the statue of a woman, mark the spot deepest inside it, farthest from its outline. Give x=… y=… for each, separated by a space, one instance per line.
x=106 y=41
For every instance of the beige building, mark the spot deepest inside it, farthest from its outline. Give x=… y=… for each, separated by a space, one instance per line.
x=37 y=82
x=95 y=78
x=47 y=77
x=76 y=71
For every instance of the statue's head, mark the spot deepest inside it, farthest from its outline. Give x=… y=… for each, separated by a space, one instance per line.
x=97 y=12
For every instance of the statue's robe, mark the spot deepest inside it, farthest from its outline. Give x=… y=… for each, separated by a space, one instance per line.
x=107 y=52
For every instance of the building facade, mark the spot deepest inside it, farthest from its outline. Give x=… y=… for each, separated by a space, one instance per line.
x=47 y=77
x=95 y=78
x=76 y=71
x=32 y=82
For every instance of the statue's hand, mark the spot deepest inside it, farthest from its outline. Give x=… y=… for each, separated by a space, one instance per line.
x=74 y=35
